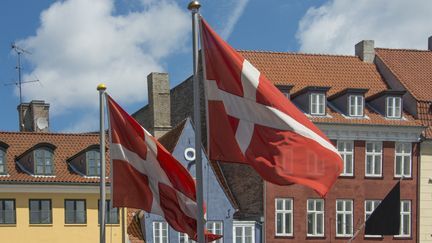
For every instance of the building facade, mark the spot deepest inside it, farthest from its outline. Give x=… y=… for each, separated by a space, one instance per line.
x=411 y=70
x=49 y=184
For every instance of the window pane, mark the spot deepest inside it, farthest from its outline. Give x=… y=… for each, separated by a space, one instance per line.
x=279 y=204
x=348 y=223
x=288 y=223
x=279 y=223
x=339 y=224
x=320 y=224
x=310 y=225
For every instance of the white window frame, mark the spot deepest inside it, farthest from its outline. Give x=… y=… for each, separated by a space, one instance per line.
x=405 y=213
x=215 y=227
x=344 y=152
x=406 y=151
x=315 y=212
x=317 y=102
x=392 y=109
x=356 y=105
x=374 y=205
x=344 y=212
x=163 y=226
x=373 y=155
x=284 y=211
x=3 y=165
x=185 y=238
x=243 y=225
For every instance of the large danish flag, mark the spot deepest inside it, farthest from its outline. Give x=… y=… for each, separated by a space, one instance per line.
x=250 y=121
x=146 y=176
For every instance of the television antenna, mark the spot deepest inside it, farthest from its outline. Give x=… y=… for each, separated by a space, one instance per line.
x=20 y=51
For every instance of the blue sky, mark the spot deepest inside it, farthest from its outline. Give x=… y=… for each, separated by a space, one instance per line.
x=76 y=44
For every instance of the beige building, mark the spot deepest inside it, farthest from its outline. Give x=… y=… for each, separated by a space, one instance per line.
x=411 y=70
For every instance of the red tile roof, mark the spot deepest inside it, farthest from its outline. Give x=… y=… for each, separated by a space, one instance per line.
x=302 y=70
x=413 y=68
x=424 y=110
x=67 y=145
x=335 y=71
x=134 y=226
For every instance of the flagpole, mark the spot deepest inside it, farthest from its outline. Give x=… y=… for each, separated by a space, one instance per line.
x=101 y=88
x=194 y=8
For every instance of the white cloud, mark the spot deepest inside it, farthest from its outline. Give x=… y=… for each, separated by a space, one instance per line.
x=238 y=8
x=81 y=43
x=338 y=25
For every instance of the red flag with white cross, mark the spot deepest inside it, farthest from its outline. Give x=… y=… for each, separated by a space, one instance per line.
x=250 y=121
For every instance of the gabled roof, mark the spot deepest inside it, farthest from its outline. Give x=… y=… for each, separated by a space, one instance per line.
x=170 y=139
x=67 y=145
x=413 y=68
x=334 y=71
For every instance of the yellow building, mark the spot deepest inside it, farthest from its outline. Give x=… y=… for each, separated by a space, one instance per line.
x=49 y=186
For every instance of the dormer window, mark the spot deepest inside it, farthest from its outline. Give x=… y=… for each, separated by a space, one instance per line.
x=43 y=158
x=356 y=104
x=394 y=107
x=93 y=163
x=317 y=104
x=2 y=161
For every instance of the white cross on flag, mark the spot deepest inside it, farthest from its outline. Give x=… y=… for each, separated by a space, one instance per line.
x=146 y=176
x=250 y=121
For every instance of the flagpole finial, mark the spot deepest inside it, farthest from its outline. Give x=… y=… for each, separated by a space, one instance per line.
x=194 y=5
x=101 y=87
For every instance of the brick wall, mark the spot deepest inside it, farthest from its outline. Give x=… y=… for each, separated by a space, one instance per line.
x=357 y=188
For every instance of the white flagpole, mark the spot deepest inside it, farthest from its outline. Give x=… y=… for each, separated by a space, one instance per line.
x=101 y=88
x=194 y=8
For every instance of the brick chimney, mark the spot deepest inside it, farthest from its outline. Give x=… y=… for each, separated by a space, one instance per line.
x=33 y=116
x=365 y=49
x=159 y=103
x=430 y=43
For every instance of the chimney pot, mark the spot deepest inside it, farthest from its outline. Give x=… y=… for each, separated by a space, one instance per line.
x=365 y=50
x=430 y=43
x=34 y=116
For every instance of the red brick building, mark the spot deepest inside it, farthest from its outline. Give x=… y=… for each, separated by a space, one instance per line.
x=347 y=98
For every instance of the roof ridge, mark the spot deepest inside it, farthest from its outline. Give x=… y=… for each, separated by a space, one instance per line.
x=52 y=133
x=298 y=53
x=401 y=49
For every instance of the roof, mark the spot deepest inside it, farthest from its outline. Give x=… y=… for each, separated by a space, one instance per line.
x=170 y=139
x=303 y=70
x=424 y=110
x=413 y=68
x=134 y=226
x=335 y=71
x=67 y=145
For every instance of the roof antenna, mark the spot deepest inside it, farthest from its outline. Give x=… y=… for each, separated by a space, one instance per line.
x=18 y=67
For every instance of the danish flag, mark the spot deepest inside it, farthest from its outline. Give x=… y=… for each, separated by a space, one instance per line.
x=146 y=176
x=250 y=121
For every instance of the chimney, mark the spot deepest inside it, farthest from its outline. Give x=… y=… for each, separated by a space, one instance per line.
x=33 y=116
x=365 y=49
x=430 y=43
x=159 y=103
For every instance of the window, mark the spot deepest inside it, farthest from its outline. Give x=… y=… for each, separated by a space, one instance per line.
x=394 y=107
x=7 y=211
x=244 y=233
x=184 y=238
x=317 y=104
x=344 y=218
x=405 y=219
x=160 y=232
x=111 y=214
x=75 y=211
x=40 y=211
x=284 y=219
x=346 y=150
x=286 y=94
x=93 y=163
x=43 y=161
x=315 y=217
x=356 y=105
x=215 y=227
x=2 y=161
x=373 y=159
x=370 y=206
x=403 y=159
